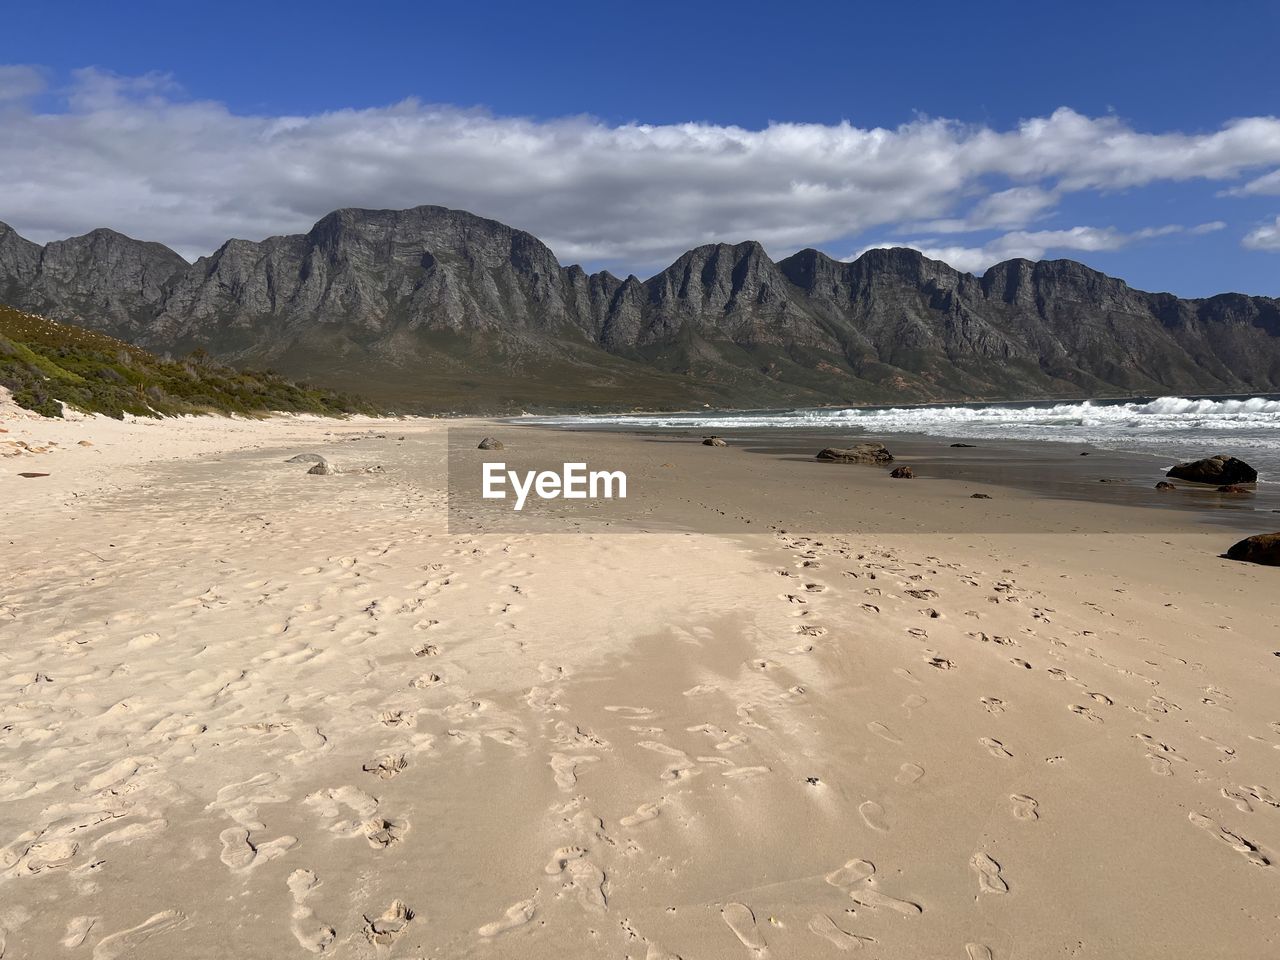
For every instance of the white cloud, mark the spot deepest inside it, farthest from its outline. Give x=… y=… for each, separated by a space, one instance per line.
x=1265 y=237
x=1033 y=245
x=134 y=154
x=18 y=81
x=1266 y=185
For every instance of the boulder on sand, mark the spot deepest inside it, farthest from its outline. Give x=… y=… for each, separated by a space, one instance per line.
x=306 y=458
x=1221 y=470
x=902 y=473
x=490 y=443
x=1234 y=488
x=713 y=442
x=1263 y=548
x=862 y=453
x=1165 y=485
x=322 y=469
x=967 y=446
x=979 y=496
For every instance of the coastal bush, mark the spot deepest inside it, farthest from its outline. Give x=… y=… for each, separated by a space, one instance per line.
x=45 y=364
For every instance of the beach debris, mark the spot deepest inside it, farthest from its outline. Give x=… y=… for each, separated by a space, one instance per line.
x=32 y=475
x=306 y=458
x=902 y=473
x=490 y=443
x=323 y=469
x=1221 y=470
x=979 y=496
x=713 y=442
x=1264 y=548
x=1165 y=485
x=1234 y=488
x=862 y=453
x=84 y=443
x=965 y=445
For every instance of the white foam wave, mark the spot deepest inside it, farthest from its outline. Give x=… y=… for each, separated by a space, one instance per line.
x=1165 y=413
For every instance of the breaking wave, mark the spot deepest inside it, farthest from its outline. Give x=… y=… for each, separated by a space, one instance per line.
x=1156 y=425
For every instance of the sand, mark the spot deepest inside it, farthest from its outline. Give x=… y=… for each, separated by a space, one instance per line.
x=247 y=712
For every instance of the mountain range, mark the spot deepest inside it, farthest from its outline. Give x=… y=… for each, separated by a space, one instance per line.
x=431 y=309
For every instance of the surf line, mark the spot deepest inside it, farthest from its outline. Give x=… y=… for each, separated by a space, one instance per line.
x=573 y=482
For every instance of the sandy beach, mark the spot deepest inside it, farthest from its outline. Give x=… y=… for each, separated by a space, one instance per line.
x=765 y=708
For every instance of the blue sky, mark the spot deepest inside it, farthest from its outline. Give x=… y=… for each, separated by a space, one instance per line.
x=1138 y=138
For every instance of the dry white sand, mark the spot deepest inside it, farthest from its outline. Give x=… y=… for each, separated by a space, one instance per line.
x=249 y=713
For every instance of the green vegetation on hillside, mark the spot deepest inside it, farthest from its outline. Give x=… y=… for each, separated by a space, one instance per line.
x=43 y=362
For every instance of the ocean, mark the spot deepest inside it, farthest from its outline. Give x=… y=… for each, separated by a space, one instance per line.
x=1171 y=428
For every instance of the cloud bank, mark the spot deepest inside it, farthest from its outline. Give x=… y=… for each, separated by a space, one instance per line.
x=135 y=154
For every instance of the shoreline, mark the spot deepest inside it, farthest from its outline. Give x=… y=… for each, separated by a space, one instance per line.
x=1050 y=470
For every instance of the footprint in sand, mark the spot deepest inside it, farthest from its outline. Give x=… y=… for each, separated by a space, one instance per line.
x=873 y=816
x=310 y=934
x=869 y=897
x=1085 y=712
x=588 y=880
x=241 y=854
x=1231 y=839
x=909 y=773
x=1024 y=807
x=993 y=704
x=517 y=915
x=995 y=748
x=644 y=813
x=386 y=929
x=126 y=942
x=978 y=951
x=851 y=874
x=742 y=922
x=882 y=731
x=565 y=768
x=1247 y=798
x=988 y=871
x=384 y=768
x=825 y=927
x=77 y=930
x=913 y=702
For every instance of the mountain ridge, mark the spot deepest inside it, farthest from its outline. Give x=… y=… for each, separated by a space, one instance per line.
x=454 y=311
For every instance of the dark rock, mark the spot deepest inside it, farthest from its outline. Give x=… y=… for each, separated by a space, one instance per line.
x=323 y=469
x=902 y=473
x=1234 y=488
x=1165 y=485
x=862 y=453
x=979 y=496
x=966 y=445
x=713 y=442
x=306 y=458
x=1085 y=453
x=1263 y=548
x=1219 y=470
x=490 y=443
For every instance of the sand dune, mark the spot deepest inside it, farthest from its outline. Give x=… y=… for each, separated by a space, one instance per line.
x=248 y=712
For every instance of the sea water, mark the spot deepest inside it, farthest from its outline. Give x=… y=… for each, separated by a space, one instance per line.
x=1174 y=428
